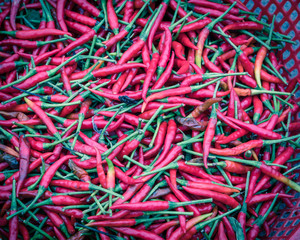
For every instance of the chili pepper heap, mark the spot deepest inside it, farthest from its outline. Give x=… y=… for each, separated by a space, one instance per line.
x=133 y=119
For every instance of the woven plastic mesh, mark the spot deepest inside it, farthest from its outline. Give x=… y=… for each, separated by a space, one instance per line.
x=287 y=225
x=287 y=22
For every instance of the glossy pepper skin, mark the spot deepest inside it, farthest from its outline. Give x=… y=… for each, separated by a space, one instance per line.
x=143 y=120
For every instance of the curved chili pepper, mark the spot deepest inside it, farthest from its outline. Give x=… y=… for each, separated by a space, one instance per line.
x=48 y=177
x=165 y=75
x=165 y=55
x=216 y=196
x=159 y=18
x=24 y=163
x=13 y=13
x=150 y=73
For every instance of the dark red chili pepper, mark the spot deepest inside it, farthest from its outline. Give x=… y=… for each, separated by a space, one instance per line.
x=281 y=159
x=13 y=13
x=138 y=233
x=153 y=205
x=88 y=7
x=24 y=163
x=3 y=15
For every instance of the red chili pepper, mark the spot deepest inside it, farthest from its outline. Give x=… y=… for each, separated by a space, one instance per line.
x=216 y=196
x=150 y=73
x=208 y=64
x=184 y=40
x=159 y=141
x=48 y=177
x=137 y=46
x=112 y=17
x=60 y=7
x=153 y=205
x=266 y=197
x=42 y=115
x=75 y=213
x=122 y=34
x=13 y=13
x=165 y=75
x=171 y=131
x=244 y=25
x=209 y=134
x=182 y=219
x=24 y=163
x=78 y=27
x=147 y=235
x=13 y=222
x=165 y=55
x=281 y=159
x=205 y=32
x=85 y=5
x=256 y=129
x=38 y=33
x=179 y=50
x=4 y=14
x=80 y=18
x=159 y=19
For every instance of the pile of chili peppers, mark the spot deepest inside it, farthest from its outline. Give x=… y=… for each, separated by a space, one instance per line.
x=133 y=119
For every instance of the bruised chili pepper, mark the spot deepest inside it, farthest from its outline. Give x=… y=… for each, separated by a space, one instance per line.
x=192 y=123
x=79 y=172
